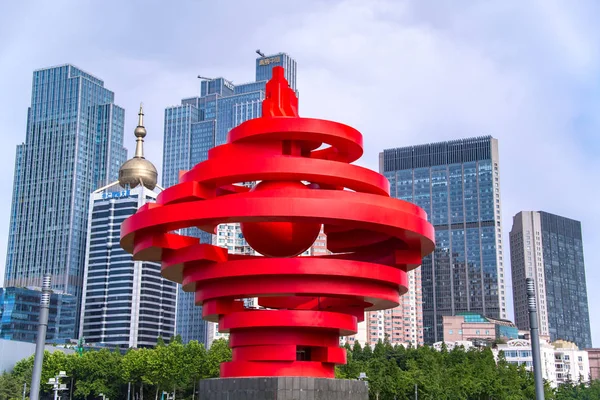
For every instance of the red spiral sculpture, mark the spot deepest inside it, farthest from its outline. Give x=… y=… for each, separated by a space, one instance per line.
x=306 y=181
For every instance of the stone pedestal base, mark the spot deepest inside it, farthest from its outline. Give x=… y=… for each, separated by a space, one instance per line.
x=282 y=388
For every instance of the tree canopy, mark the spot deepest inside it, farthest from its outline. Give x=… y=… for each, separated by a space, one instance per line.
x=146 y=372
x=393 y=373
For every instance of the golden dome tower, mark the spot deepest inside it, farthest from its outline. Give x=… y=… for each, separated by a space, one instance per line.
x=138 y=170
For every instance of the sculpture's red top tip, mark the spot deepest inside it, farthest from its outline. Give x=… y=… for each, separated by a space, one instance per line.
x=280 y=100
x=278 y=73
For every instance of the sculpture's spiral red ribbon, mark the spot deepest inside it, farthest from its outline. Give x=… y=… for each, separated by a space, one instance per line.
x=307 y=182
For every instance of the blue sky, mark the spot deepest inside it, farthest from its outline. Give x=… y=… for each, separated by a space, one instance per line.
x=402 y=72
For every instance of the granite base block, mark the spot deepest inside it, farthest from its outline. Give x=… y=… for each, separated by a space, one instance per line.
x=282 y=388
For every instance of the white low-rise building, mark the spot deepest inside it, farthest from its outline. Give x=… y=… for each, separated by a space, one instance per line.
x=518 y=352
x=466 y=344
x=572 y=364
x=562 y=361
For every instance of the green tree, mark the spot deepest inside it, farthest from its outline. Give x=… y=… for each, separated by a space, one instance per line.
x=195 y=358
x=177 y=339
x=9 y=387
x=352 y=368
x=166 y=370
x=367 y=352
x=219 y=352
x=357 y=352
x=98 y=372
x=579 y=391
x=393 y=372
x=22 y=371
x=135 y=369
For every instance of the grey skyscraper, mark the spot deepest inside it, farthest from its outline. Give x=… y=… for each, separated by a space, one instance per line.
x=458 y=184
x=192 y=129
x=549 y=249
x=73 y=145
x=125 y=302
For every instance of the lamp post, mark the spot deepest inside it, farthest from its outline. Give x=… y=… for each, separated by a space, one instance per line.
x=364 y=378
x=535 y=339
x=168 y=396
x=36 y=376
x=56 y=385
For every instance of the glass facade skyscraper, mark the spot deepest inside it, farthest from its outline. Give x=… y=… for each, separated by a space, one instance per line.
x=549 y=249
x=458 y=184
x=20 y=314
x=73 y=145
x=199 y=124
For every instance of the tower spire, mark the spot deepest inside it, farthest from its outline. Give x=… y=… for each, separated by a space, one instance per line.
x=138 y=170
x=140 y=133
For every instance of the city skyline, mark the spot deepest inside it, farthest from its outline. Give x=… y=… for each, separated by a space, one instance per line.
x=418 y=74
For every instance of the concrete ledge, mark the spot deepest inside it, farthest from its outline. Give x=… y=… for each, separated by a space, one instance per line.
x=282 y=388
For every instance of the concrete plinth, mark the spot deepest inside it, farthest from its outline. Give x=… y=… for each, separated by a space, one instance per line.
x=282 y=388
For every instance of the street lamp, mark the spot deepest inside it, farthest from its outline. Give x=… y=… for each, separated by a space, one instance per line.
x=56 y=385
x=167 y=396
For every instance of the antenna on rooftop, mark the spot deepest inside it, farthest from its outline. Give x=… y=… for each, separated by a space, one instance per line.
x=260 y=53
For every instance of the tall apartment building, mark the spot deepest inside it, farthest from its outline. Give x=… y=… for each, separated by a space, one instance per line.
x=125 y=303
x=458 y=184
x=549 y=249
x=191 y=129
x=73 y=145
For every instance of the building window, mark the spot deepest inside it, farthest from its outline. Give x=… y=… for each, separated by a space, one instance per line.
x=450 y=332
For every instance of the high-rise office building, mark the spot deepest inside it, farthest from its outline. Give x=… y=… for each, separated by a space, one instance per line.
x=73 y=145
x=458 y=184
x=125 y=302
x=549 y=249
x=20 y=315
x=191 y=130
